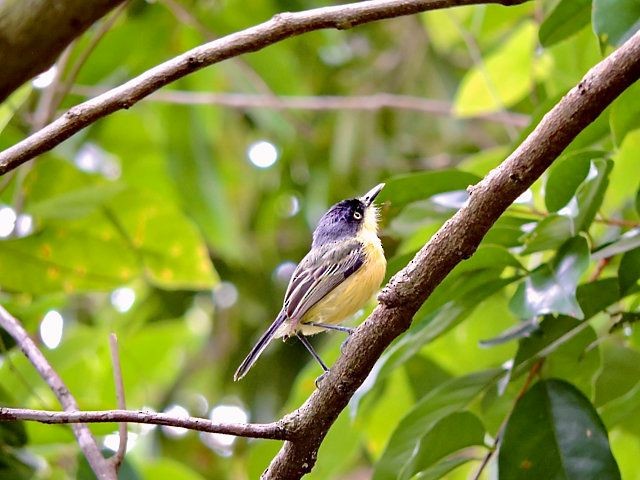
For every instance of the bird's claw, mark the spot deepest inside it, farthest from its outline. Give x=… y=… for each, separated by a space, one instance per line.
x=320 y=378
x=344 y=343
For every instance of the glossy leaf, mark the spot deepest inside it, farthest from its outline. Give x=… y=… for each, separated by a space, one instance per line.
x=554 y=432
x=565 y=176
x=552 y=287
x=441 y=402
x=565 y=19
x=553 y=333
x=590 y=194
x=614 y=21
x=549 y=233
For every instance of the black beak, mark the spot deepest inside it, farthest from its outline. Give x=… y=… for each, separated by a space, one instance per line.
x=371 y=195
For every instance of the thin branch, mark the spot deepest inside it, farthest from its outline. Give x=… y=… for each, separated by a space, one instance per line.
x=273 y=431
x=374 y=102
x=120 y=400
x=280 y=27
x=86 y=440
x=456 y=240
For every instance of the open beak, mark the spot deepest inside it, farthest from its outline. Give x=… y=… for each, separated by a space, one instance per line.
x=371 y=195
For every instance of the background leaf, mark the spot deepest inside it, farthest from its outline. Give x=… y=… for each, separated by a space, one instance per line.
x=554 y=432
x=614 y=21
x=565 y=19
x=551 y=288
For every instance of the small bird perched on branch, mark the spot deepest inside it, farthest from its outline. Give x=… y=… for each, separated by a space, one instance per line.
x=343 y=269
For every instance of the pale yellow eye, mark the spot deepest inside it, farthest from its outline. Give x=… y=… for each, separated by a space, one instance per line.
x=357 y=215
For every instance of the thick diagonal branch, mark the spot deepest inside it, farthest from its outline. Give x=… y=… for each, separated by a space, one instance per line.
x=280 y=27
x=454 y=242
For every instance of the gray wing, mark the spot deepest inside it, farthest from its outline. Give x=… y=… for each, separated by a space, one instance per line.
x=318 y=273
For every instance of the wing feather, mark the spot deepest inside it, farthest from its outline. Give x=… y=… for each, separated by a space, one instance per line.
x=320 y=272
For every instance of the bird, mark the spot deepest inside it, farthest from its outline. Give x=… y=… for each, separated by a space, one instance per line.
x=343 y=269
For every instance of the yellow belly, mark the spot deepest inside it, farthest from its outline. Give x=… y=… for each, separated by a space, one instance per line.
x=351 y=295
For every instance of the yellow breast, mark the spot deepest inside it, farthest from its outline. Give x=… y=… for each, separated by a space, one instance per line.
x=352 y=294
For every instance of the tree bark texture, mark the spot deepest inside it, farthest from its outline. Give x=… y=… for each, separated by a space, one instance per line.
x=33 y=33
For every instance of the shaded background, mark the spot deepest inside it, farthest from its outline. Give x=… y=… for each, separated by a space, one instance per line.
x=176 y=224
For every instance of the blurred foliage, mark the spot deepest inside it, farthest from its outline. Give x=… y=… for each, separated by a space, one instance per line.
x=156 y=224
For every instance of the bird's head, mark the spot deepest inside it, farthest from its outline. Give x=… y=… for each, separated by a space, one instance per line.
x=348 y=218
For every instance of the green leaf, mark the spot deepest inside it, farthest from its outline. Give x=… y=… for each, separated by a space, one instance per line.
x=446 y=399
x=554 y=432
x=172 y=252
x=520 y=330
x=624 y=114
x=620 y=373
x=552 y=287
x=615 y=21
x=66 y=259
x=590 y=194
x=548 y=234
x=450 y=434
x=404 y=189
x=565 y=176
x=11 y=105
x=580 y=209
x=629 y=270
x=594 y=297
x=440 y=469
x=502 y=78
x=553 y=333
x=14 y=468
x=200 y=181
x=568 y=17
x=13 y=434
x=75 y=203
x=427 y=328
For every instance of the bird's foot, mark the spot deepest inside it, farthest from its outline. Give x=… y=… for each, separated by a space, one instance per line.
x=346 y=340
x=320 y=379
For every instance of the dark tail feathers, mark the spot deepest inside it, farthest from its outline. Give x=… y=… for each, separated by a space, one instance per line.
x=259 y=347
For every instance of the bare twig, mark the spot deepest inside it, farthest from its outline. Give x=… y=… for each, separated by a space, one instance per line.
x=120 y=399
x=374 y=102
x=273 y=431
x=87 y=442
x=280 y=27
